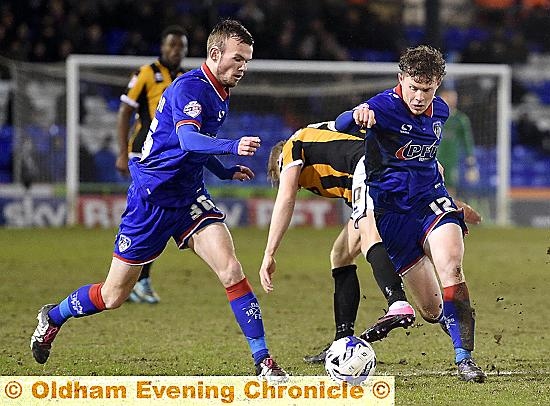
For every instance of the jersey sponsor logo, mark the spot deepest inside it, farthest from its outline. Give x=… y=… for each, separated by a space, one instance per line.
x=406 y=128
x=411 y=151
x=123 y=243
x=193 y=108
x=437 y=127
x=221 y=114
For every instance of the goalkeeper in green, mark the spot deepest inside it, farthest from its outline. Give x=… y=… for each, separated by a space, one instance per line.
x=458 y=140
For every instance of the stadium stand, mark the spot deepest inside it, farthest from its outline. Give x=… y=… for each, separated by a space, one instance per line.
x=476 y=31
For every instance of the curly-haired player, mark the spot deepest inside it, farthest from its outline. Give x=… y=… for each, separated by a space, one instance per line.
x=419 y=222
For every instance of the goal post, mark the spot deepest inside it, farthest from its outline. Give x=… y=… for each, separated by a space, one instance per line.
x=301 y=92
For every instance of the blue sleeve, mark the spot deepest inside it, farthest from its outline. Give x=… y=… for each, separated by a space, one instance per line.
x=216 y=167
x=193 y=141
x=345 y=122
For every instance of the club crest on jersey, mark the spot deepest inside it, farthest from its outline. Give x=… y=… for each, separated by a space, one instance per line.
x=193 y=108
x=437 y=127
x=123 y=243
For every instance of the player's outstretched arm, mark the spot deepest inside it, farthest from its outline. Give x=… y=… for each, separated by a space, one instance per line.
x=280 y=220
x=360 y=117
x=237 y=172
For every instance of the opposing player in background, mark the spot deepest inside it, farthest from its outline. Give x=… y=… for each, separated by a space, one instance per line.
x=421 y=226
x=168 y=199
x=457 y=142
x=140 y=100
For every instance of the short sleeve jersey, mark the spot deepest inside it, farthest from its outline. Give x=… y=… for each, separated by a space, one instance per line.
x=166 y=175
x=143 y=94
x=401 y=158
x=327 y=159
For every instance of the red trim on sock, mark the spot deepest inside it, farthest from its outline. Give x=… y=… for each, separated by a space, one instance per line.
x=238 y=290
x=95 y=296
x=456 y=292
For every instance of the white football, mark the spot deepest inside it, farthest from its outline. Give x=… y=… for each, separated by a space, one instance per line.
x=350 y=359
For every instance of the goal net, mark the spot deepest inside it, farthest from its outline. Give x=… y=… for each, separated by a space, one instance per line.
x=275 y=99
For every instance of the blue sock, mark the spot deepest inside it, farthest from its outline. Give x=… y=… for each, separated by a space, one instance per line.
x=249 y=317
x=80 y=303
x=461 y=353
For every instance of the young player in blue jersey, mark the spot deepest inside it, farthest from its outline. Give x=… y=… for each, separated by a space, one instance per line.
x=420 y=224
x=142 y=96
x=168 y=199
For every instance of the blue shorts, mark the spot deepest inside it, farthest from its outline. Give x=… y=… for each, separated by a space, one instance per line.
x=404 y=234
x=145 y=228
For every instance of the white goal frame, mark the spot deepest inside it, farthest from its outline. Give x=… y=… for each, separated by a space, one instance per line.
x=503 y=73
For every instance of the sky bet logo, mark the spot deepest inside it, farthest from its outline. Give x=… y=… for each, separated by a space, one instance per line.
x=413 y=151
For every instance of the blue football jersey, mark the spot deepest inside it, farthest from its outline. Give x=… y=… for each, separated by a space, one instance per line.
x=166 y=175
x=401 y=156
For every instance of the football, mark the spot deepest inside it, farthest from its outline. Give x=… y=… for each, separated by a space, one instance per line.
x=350 y=359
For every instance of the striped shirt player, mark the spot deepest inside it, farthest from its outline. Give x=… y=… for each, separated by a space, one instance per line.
x=143 y=94
x=330 y=164
x=420 y=224
x=167 y=199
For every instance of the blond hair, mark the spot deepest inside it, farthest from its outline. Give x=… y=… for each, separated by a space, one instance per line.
x=273 y=168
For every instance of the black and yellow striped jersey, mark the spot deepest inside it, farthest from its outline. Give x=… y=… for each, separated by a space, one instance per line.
x=328 y=159
x=143 y=93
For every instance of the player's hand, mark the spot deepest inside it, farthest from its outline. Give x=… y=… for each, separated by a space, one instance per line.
x=244 y=173
x=364 y=116
x=267 y=269
x=122 y=165
x=248 y=145
x=470 y=214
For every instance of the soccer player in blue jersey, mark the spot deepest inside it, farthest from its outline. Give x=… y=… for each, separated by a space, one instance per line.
x=167 y=198
x=420 y=224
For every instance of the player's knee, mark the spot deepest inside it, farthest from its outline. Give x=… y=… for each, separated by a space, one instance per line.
x=231 y=273
x=430 y=315
x=339 y=258
x=113 y=298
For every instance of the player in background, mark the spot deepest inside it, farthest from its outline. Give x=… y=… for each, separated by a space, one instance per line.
x=458 y=141
x=419 y=222
x=323 y=161
x=140 y=102
x=330 y=164
x=168 y=199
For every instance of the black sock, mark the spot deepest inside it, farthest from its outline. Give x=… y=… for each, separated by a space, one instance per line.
x=145 y=271
x=346 y=299
x=387 y=279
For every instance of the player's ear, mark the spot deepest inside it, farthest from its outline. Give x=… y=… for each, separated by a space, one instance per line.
x=215 y=54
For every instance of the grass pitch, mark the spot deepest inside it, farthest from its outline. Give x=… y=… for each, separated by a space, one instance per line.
x=192 y=330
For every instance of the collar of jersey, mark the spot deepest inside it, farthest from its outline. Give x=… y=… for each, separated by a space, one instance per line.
x=223 y=92
x=429 y=111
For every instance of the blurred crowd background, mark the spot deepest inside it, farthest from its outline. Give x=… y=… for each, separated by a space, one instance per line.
x=492 y=31
x=514 y=32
